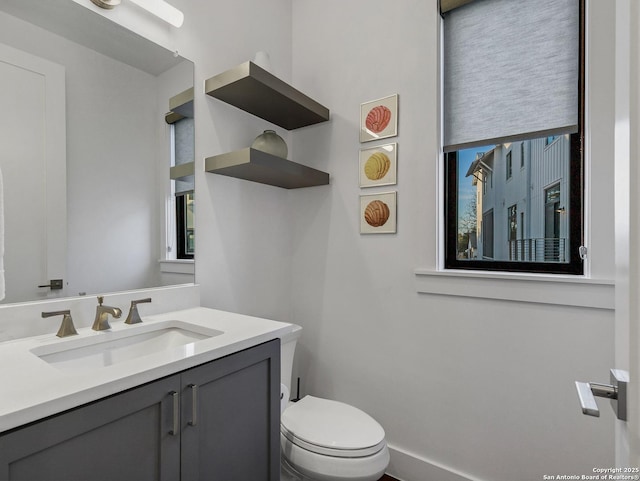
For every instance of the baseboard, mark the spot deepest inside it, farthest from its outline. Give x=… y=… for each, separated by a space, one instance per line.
x=406 y=466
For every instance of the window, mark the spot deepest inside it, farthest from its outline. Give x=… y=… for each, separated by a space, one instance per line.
x=185 y=225
x=549 y=140
x=486 y=249
x=181 y=242
x=536 y=111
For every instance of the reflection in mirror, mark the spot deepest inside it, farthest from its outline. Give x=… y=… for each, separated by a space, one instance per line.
x=87 y=191
x=181 y=215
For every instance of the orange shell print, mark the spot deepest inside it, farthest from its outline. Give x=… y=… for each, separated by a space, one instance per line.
x=378 y=118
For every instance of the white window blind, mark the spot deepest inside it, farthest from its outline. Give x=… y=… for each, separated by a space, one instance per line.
x=511 y=70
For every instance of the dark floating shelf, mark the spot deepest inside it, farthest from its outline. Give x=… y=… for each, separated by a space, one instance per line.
x=180 y=106
x=257 y=166
x=182 y=103
x=254 y=90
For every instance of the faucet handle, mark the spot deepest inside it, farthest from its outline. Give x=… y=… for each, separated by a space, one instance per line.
x=134 y=316
x=66 y=328
x=100 y=300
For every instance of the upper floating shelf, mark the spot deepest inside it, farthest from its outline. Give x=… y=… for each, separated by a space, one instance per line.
x=180 y=106
x=182 y=103
x=254 y=90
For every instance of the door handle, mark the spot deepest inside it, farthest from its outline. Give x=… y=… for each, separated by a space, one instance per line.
x=194 y=404
x=616 y=392
x=54 y=284
x=175 y=427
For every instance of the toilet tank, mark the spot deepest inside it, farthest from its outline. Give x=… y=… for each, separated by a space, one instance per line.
x=287 y=350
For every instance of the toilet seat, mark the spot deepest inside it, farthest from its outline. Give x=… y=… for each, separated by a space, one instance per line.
x=336 y=453
x=332 y=428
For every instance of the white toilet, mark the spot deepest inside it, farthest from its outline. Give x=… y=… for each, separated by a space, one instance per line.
x=324 y=440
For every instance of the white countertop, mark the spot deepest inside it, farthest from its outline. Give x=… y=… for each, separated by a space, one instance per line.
x=33 y=389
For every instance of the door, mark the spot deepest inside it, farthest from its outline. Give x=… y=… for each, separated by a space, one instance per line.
x=231 y=417
x=512 y=222
x=552 y=223
x=627 y=224
x=125 y=437
x=33 y=168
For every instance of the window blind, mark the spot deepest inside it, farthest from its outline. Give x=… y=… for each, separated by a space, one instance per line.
x=184 y=154
x=511 y=70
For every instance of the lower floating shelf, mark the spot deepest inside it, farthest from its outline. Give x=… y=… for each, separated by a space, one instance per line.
x=257 y=166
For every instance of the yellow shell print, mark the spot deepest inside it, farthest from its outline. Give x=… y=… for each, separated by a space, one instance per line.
x=377 y=166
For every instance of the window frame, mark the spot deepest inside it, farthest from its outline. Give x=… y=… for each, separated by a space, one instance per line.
x=182 y=233
x=177 y=205
x=574 y=266
x=575 y=263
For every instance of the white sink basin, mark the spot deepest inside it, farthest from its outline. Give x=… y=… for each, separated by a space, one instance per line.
x=106 y=348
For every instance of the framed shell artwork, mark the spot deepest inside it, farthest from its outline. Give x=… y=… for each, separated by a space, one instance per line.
x=379 y=119
x=379 y=165
x=378 y=213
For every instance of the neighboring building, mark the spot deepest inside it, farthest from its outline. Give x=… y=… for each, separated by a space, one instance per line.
x=522 y=200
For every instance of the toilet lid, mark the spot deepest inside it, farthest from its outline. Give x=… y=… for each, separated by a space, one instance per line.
x=331 y=426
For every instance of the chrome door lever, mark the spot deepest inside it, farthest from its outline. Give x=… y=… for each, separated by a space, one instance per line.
x=616 y=391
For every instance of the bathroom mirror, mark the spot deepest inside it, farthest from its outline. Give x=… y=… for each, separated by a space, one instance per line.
x=92 y=95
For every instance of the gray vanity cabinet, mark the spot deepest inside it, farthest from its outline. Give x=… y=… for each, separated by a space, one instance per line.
x=226 y=413
x=231 y=418
x=124 y=436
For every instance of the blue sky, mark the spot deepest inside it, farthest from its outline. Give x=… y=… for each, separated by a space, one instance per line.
x=466 y=190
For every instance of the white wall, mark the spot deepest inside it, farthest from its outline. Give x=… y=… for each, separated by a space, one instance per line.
x=478 y=387
x=243 y=229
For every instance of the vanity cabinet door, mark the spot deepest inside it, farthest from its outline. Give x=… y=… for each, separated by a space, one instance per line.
x=231 y=417
x=124 y=437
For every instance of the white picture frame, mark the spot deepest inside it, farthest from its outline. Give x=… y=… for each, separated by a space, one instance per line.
x=379 y=119
x=378 y=213
x=379 y=165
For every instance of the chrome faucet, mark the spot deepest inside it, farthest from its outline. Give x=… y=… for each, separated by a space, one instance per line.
x=102 y=315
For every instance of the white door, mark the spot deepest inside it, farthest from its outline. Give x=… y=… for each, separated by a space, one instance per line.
x=627 y=215
x=33 y=168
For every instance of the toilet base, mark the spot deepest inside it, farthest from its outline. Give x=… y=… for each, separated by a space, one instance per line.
x=303 y=465
x=287 y=473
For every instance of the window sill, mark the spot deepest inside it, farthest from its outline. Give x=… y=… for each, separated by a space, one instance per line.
x=178 y=266
x=535 y=288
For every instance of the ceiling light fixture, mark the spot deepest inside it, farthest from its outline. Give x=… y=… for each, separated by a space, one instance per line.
x=163 y=10
x=108 y=4
x=159 y=8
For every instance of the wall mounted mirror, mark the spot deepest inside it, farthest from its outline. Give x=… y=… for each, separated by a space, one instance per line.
x=86 y=166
